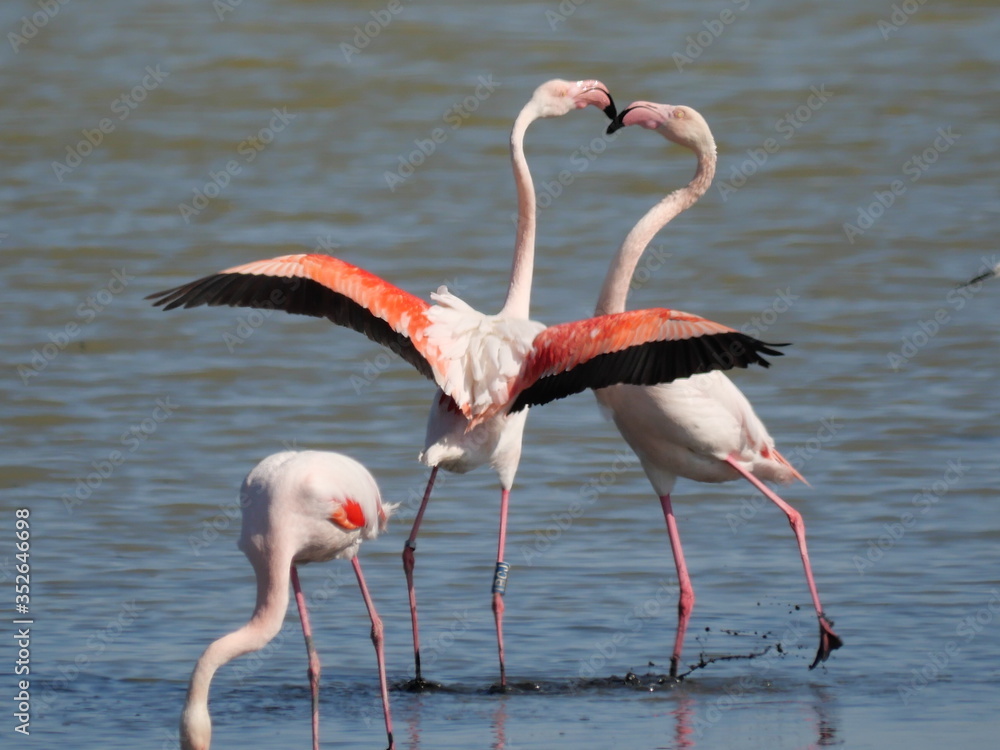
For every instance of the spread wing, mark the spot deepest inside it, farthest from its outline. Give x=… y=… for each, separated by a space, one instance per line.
x=639 y=347
x=324 y=287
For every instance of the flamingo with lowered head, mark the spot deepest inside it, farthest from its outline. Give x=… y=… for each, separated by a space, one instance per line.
x=703 y=427
x=488 y=369
x=298 y=507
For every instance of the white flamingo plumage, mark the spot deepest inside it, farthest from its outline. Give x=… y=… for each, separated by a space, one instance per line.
x=298 y=507
x=703 y=427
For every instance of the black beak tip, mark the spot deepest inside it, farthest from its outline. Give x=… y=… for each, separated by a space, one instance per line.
x=618 y=123
x=610 y=110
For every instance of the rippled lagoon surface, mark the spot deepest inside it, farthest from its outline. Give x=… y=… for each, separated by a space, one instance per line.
x=857 y=185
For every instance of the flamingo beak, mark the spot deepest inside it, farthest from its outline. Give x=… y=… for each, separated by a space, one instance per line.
x=611 y=111
x=600 y=97
x=617 y=123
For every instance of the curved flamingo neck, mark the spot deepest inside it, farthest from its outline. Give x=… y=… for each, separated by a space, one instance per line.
x=264 y=625
x=518 y=302
x=614 y=292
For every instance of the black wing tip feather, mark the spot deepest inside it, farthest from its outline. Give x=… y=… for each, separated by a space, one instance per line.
x=652 y=363
x=295 y=295
x=192 y=294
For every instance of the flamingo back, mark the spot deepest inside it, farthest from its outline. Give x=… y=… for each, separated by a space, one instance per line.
x=319 y=504
x=481 y=355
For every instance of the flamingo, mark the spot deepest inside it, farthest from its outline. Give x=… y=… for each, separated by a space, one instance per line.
x=703 y=427
x=449 y=443
x=488 y=369
x=298 y=507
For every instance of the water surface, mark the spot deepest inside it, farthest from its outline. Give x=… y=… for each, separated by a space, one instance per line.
x=887 y=401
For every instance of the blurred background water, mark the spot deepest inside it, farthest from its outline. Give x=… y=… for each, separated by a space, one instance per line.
x=857 y=184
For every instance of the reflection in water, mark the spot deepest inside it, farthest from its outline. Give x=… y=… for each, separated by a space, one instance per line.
x=500 y=724
x=692 y=714
x=826 y=720
x=412 y=713
x=683 y=731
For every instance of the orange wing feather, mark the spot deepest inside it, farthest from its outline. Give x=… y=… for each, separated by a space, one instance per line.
x=321 y=286
x=638 y=347
x=405 y=312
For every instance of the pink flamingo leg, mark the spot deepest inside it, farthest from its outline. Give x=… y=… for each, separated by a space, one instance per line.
x=408 y=560
x=314 y=666
x=685 y=602
x=500 y=582
x=378 y=639
x=828 y=640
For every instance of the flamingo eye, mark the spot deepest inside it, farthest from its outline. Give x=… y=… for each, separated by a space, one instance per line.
x=680 y=114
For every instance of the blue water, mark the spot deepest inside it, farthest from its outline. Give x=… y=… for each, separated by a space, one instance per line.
x=888 y=396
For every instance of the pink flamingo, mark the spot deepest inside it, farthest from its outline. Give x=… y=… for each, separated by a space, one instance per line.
x=450 y=443
x=298 y=507
x=701 y=427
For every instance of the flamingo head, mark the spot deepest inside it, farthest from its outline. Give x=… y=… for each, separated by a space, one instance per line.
x=558 y=97
x=682 y=125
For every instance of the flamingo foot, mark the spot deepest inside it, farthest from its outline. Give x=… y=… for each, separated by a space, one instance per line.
x=419 y=685
x=674 y=663
x=828 y=642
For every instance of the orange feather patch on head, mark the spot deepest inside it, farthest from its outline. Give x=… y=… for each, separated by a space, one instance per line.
x=348 y=515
